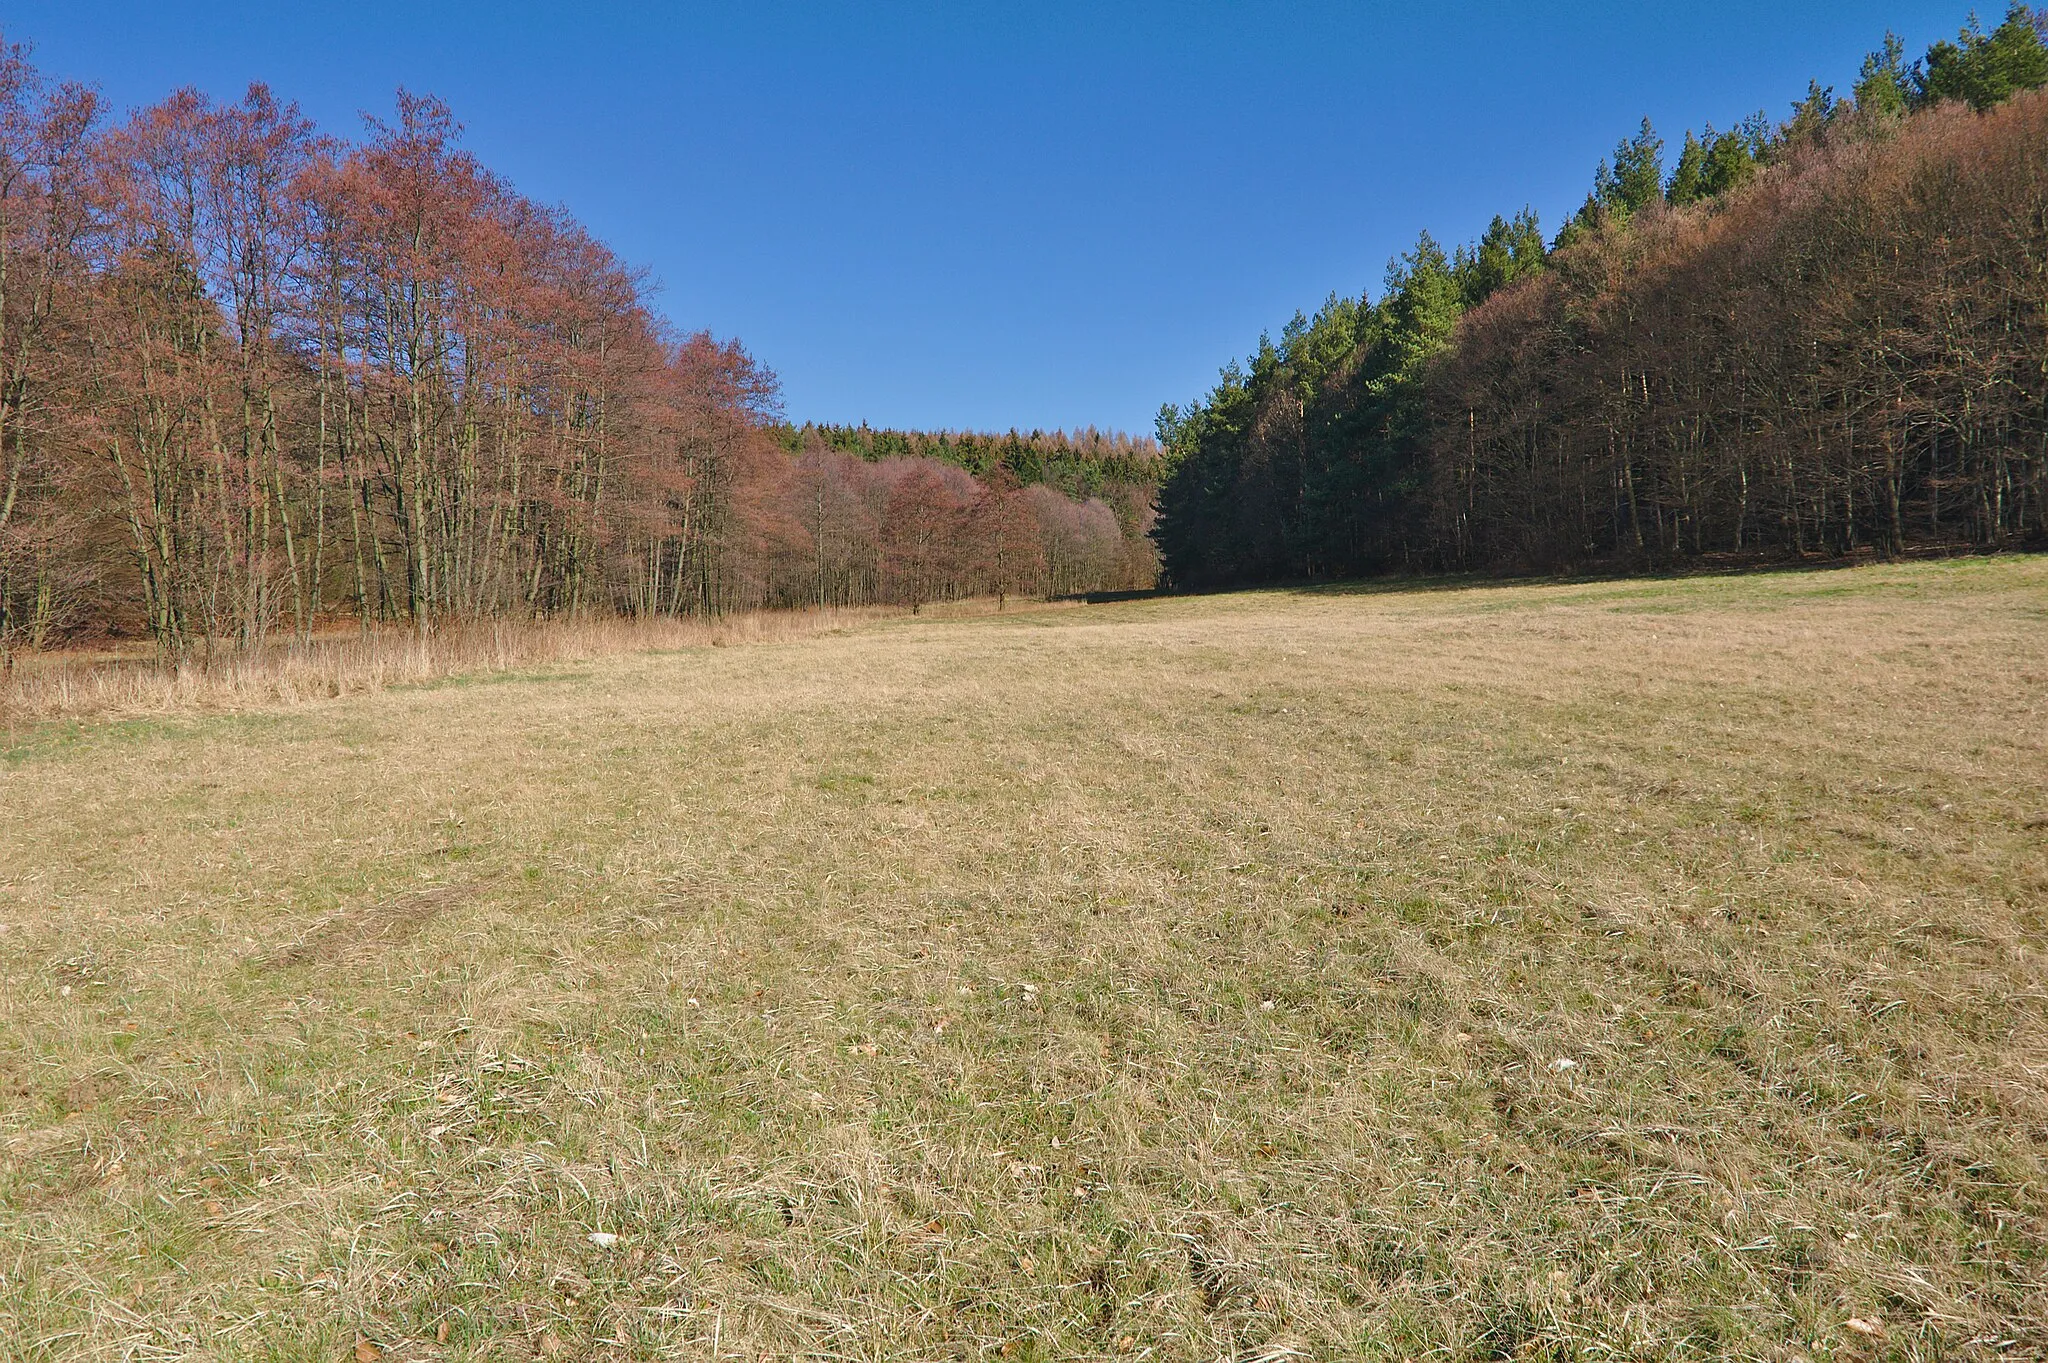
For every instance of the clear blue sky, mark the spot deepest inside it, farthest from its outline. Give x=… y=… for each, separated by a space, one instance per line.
x=966 y=214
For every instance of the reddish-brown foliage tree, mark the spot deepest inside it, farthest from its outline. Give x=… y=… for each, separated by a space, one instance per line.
x=252 y=379
x=46 y=149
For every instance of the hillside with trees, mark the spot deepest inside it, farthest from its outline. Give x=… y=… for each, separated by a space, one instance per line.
x=1083 y=463
x=1822 y=337
x=1089 y=492
x=255 y=380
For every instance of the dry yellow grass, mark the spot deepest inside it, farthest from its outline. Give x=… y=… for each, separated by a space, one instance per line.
x=129 y=681
x=1632 y=970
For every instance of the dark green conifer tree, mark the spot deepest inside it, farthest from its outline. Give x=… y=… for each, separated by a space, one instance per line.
x=1883 y=87
x=1689 y=177
x=1982 y=68
x=1508 y=250
x=1637 y=178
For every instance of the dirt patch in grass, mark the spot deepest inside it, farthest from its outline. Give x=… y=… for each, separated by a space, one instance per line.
x=371 y=927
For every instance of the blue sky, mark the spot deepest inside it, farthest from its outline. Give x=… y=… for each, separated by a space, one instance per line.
x=988 y=214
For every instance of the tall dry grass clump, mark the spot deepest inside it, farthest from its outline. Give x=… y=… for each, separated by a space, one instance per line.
x=78 y=684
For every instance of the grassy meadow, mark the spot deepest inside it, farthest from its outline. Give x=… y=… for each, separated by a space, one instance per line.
x=1632 y=970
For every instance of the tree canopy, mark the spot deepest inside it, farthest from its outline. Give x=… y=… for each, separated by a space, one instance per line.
x=255 y=379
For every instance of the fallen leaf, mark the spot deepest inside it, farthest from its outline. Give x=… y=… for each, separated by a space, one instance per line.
x=603 y=1239
x=441 y=1333
x=215 y=1209
x=1865 y=1327
x=367 y=1352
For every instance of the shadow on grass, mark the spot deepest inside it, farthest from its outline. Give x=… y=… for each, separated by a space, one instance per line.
x=1724 y=567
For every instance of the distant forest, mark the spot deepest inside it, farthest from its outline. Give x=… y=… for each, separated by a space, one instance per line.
x=255 y=380
x=1821 y=336
x=1084 y=463
x=1090 y=492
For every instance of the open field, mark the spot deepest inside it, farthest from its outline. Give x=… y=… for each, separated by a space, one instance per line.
x=1634 y=970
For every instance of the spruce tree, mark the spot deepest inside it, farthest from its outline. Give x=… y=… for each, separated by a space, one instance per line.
x=1636 y=179
x=1809 y=116
x=1508 y=251
x=1689 y=178
x=1732 y=157
x=1982 y=68
x=1883 y=87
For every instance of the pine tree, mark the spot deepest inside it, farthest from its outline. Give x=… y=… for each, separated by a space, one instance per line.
x=1508 y=251
x=1623 y=187
x=1809 y=116
x=1689 y=179
x=1883 y=87
x=1732 y=156
x=1637 y=178
x=1982 y=68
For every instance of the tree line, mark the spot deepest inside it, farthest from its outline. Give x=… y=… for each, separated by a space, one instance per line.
x=1822 y=336
x=1091 y=492
x=255 y=380
x=1086 y=498
x=1082 y=463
